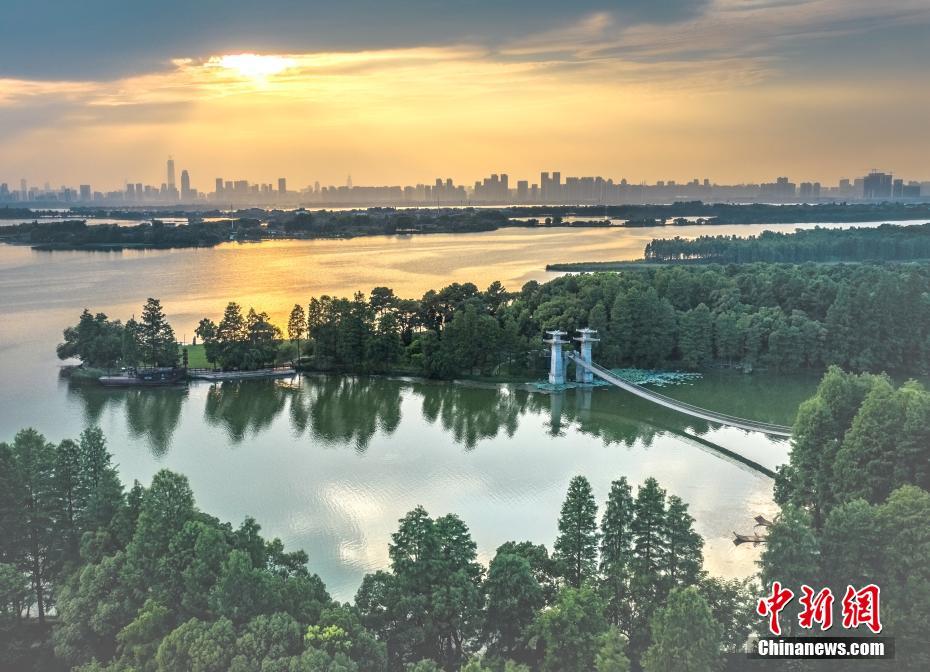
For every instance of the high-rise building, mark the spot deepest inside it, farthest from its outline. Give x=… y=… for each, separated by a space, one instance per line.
x=219 y=186
x=897 y=188
x=282 y=185
x=876 y=185
x=85 y=192
x=185 y=184
x=23 y=191
x=170 y=173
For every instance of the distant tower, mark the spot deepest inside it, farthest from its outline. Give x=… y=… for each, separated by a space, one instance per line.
x=185 y=184
x=282 y=185
x=23 y=189
x=170 y=173
x=349 y=181
x=556 y=360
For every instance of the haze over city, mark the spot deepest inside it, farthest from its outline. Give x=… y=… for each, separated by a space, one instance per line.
x=731 y=90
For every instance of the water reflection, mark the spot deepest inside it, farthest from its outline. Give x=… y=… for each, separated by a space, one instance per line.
x=329 y=463
x=470 y=414
x=244 y=407
x=152 y=414
x=350 y=411
x=344 y=410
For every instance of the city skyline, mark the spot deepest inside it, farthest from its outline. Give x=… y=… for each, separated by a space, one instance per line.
x=497 y=188
x=734 y=90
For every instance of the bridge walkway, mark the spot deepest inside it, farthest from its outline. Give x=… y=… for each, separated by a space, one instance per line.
x=680 y=406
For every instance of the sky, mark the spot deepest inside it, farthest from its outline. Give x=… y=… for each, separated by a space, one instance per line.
x=401 y=92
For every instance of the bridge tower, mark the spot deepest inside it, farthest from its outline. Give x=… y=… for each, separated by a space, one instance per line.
x=586 y=338
x=556 y=360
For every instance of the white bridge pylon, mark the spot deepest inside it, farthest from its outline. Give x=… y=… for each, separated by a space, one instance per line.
x=557 y=363
x=586 y=370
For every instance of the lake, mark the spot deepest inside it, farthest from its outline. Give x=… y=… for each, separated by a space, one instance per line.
x=330 y=463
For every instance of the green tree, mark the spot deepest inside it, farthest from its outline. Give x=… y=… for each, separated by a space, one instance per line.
x=611 y=657
x=570 y=631
x=617 y=552
x=297 y=326
x=576 y=545
x=99 y=490
x=685 y=637
x=886 y=444
x=695 y=336
x=95 y=340
x=649 y=561
x=34 y=528
x=231 y=336
x=733 y=605
x=791 y=551
x=167 y=506
x=513 y=597
x=684 y=546
x=208 y=332
x=158 y=344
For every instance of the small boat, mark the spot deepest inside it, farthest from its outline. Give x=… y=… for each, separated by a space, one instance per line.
x=145 y=378
x=754 y=538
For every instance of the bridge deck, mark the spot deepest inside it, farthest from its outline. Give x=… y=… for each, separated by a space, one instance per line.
x=680 y=406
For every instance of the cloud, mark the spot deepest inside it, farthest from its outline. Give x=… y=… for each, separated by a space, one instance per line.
x=595 y=89
x=115 y=38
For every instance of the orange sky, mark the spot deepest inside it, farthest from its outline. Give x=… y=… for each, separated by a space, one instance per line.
x=745 y=91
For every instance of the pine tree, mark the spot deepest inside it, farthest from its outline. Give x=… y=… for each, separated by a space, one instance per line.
x=576 y=545
x=38 y=546
x=683 y=546
x=297 y=326
x=649 y=560
x=617 y=552
x=159 y=347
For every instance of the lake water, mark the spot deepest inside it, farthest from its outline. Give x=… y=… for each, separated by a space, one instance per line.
x=330 y=463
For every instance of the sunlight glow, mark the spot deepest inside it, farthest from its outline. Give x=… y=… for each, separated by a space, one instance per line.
x=255 y=66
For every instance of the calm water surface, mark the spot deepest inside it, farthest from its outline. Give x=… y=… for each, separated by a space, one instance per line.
x=330 y=463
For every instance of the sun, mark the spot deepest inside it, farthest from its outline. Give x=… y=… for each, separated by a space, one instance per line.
x=256 y=66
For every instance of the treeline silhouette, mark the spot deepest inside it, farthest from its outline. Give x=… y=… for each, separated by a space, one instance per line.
x=79 y=235
x=884 y=243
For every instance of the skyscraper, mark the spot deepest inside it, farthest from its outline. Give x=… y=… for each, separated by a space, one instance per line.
x=170 y=172
x=185 y=184
x=877 y=185
x=282 y=185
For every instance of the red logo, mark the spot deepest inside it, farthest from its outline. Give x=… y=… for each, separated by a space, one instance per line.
x=817 y=608
x=860 y=607
x=773 y=605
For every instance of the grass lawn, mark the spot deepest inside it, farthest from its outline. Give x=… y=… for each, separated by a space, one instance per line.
x=197 y=357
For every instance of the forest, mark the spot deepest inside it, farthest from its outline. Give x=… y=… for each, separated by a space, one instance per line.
x=81 y=235
x=751 y=316
x=95 y=577
x=884 y=243
x=255 y=224
x=144 y=580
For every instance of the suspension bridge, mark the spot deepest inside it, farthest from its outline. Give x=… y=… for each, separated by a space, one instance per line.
x=586 y=370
